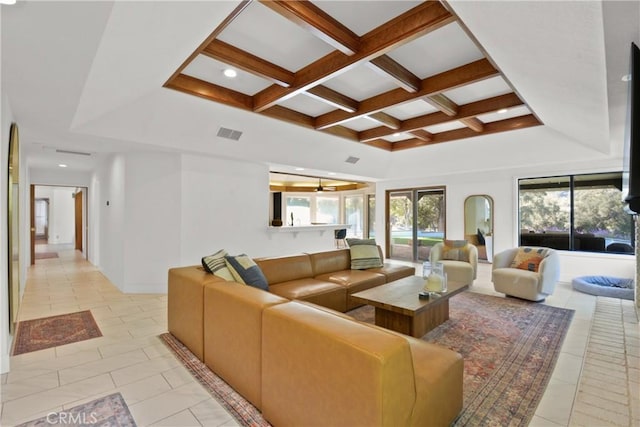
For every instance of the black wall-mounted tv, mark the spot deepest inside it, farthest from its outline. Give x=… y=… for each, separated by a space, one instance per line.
x=631 y=166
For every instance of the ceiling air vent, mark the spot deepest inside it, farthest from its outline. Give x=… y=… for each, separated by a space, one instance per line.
x=77 y=153
x=352 y=160
x=229 y=133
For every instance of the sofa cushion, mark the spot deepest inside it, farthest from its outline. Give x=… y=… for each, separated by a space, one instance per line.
x=285 y=268
x=324 y=293
x=528 y=258
x=364 y=254
x=330 y=261
x=215 y=264
x=455 y=250
x=244 y=270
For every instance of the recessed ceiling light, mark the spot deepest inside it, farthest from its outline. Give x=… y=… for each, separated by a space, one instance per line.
x=7 y=1
x=397 y=134
x=331 y=173
x=62 y=165
x=502 y=111
x=299 y=169
x=229 y=72
x=626 y=78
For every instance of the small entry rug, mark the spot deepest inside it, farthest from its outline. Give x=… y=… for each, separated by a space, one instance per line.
x=509 y=346
x=46 y=255
x=47 y=332
x=111 y=411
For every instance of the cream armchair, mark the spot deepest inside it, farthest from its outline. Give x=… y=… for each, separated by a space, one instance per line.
x=533 y=275
x=460 y=260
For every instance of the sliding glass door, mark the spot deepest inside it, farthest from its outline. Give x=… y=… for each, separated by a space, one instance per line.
x=415 y=222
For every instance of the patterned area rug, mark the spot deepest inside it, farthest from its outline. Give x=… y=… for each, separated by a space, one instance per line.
x=46 y=255
x=509 y=346
x=47 y=332
x=243 y=411
x=111 y=411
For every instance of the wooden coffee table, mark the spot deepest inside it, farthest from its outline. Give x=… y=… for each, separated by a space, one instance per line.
x=398 y=307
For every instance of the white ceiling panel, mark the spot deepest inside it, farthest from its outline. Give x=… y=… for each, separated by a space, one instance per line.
x=361 y=124
x=438 y=51
x=445 y=127
x=210 y=70
x=307 y=105
x=481 y=90
x=511 y=112
x=395 y=137
x=362 y=17
x=411 y=109
x=361 y=83
x=268 y=35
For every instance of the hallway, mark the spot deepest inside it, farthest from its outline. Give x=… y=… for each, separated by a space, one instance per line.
x=128 y=358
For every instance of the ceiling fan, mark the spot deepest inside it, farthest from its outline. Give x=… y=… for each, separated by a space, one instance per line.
x=320 y=188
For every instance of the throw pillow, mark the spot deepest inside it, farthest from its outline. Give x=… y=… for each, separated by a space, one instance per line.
x=455 y=250
x=364 y=254
x=481 y=241
x=216 y=265
x=529 y=258
x=244 y=270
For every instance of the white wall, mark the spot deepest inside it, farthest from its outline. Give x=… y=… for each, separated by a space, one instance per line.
x=110 y=210
x=503 y=188
x=151 y=221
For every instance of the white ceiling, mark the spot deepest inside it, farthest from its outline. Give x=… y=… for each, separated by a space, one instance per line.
x=88 y=76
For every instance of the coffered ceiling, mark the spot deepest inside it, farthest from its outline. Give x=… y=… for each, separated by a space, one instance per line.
x=393 y=75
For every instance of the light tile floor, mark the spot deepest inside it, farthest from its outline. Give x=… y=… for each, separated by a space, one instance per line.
x=130 y=359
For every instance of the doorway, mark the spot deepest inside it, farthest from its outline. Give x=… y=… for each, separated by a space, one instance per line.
x=415 y=222
x=58 y=221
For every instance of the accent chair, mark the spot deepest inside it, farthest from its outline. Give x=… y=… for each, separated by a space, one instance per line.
x=527 y=272
x=459 y=258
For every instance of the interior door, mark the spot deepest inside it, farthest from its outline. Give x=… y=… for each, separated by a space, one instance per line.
x=78 y=221
x=32 y=215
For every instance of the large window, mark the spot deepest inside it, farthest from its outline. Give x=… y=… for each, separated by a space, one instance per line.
x=354 y=214
x=326 y=208
x=575 y=212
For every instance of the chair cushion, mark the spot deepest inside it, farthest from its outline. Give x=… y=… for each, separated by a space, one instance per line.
x=529 y=258
x=364 y=254
x=455 y=250
x=215 y=264
x=244 y=270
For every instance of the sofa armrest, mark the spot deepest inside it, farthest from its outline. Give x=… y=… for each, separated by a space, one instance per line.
x=185 y=305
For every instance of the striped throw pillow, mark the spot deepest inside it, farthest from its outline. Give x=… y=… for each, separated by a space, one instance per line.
x=215 y=264
x=364 y=254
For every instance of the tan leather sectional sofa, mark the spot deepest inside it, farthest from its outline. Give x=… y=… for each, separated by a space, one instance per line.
x=304 y=363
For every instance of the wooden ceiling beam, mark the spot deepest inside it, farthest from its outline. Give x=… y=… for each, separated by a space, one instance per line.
x=403 y=77
x=460 y=76
x=317 y=22
x=489 y=105
x=514 y=123
x=334 y=98
x=442 y=103
x=243 y=60
x=288 y=115
x=422 y=135
x=380 y=143
x=214 y=34
x=210 y=91
x=473 y=124
x=420 y=20
x=386 y=120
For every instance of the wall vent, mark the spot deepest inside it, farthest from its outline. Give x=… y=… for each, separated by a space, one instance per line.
x=352 y=160
x=229 y=133
x=77 y=153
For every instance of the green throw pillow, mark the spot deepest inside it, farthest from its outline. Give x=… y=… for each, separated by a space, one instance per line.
x=216 y=265
x=244 y=270
x=364 y=254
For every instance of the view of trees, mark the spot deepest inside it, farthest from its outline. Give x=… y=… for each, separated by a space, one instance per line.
x=430 y=211
x=597 y=210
